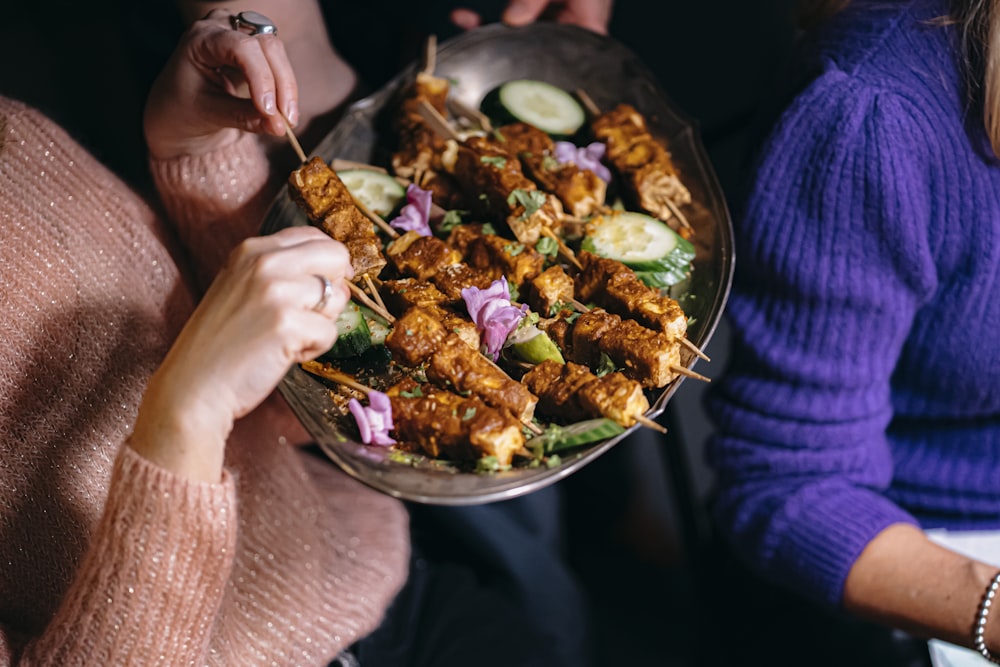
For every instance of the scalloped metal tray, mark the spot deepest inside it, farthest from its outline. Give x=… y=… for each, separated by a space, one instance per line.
x=478 y=61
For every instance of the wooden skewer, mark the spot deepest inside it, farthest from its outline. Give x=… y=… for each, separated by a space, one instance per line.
x=460 y=108
x=694 y=348
x=374 y=291
x=580 y=306
x=676 y=211
x=293 y=140
x=437 y=122
x=687 y=372
x=430 y=54
x=338 y=164
x=649 y=423
x=564 y=250
x=588 y=102
x=332 y=374
x=375 y=218
x=360 y=295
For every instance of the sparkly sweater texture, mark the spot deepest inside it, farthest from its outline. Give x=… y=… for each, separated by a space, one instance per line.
x=106 y=559
x=863 y=388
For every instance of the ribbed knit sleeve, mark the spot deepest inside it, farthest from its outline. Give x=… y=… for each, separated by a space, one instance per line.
x=151 y=584
x=834 y=262
x=215 y=200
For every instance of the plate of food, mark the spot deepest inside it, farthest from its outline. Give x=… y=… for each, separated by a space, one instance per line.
x=541 y=252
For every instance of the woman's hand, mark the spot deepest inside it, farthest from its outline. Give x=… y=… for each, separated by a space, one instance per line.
x=258 y=318
x=591 y=14
x=219 y=82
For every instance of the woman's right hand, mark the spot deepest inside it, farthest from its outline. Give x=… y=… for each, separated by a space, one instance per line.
x=257 y=319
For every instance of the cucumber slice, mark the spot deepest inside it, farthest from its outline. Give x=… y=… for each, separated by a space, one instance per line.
x=377 y=326
x=379 y=192
x=661 y=279
x=638 y=241
x=353 y=337
x=584 y=433
x=537 y=103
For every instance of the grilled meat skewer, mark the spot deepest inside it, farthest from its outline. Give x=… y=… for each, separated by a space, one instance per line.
x=320 y=193
x=572 y=392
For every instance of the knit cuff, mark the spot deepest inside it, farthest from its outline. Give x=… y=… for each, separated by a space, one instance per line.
x=153 y=579
x=826 y=538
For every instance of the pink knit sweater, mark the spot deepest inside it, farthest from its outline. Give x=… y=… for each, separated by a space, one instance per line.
x=106 y=559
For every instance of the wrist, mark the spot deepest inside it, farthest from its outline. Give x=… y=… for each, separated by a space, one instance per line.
x=987 y=627
x=182 y=435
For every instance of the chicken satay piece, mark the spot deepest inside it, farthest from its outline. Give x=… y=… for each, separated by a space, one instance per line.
x=573 y=392
x=415 y=336
x=320 y=193
x=558 y=387
x=419 y=146
x=558 y=329
x=581 y=191
x=462 y=327
x=452 y=279
x=444 y=189
x=452 y=365
x=520 y=263
x=616 y=397
x=643 y=354
x=419 y=256
x=461 y=236
x=550 y=291
x=405 y=293
x=644 y=164
x=445 y=424
x=497 y=187
x=615 y=287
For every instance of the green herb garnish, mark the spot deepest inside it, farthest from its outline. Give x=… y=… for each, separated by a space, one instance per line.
x=494 y=160
x=416 y=392
x=499 y=136
x=547 y=246
x=531 y=200
x=469 y=414
x=513 y=249
x=549 y=163
x=451 y=219
x=605 y=366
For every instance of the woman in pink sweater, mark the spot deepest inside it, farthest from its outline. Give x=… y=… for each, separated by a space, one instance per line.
x=153 y=508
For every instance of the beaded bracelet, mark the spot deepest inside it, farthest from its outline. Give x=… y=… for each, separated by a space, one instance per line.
x=978 y=640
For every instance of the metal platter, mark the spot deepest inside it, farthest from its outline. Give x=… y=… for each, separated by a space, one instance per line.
x=476 y=62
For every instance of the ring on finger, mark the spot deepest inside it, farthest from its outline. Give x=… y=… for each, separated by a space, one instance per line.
x=326 y=295
x=253 y=23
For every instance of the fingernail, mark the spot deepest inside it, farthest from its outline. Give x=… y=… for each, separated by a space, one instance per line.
x=517 y=11
x=292 y=113
x=268 y=101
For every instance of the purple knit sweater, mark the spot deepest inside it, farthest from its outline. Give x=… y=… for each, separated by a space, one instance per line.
x=865 y=381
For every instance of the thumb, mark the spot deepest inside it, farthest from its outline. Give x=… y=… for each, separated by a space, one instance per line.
x=521 y=12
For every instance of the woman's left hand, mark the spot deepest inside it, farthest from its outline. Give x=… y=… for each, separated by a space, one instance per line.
x=218 y=83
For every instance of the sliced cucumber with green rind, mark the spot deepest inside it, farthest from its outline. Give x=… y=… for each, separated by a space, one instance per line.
x=661 y=279
x=380 y=192
x=353 y=337
x=584 y=433
x=536 y=103
x=537 y=349
x=378 y=327
x=640 y=242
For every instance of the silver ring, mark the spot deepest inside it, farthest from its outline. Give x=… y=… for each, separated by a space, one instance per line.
x=253 y=23
x=327 y=293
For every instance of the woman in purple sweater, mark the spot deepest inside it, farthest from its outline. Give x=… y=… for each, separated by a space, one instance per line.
x=862 y=405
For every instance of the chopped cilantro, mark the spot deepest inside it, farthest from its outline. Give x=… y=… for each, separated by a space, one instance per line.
x=482 y=196
x=451 y=220
x=452 y=81
x=605 y=366
x=553 y=461
x=466 y=393
x=405 y=458
x=531 y=200
x=494 y=160
x=515 y=293
x=416 y=392
x=547 y=246
x=499 y=136
x=513 y=249
x=572 y=318
x=409 y=332
x=469 y=414
x=489 y=464
x=549 y=163
x=557 y=308
x=488 y=228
